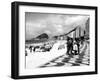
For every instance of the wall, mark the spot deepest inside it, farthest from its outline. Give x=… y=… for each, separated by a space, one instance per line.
x=5 y=41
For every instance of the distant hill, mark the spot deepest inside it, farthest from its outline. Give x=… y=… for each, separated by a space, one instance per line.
x=41 y=38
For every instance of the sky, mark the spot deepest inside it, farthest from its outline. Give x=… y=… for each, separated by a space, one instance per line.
x=52 y=24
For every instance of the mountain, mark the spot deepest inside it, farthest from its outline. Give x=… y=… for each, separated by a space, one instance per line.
x=41 y=38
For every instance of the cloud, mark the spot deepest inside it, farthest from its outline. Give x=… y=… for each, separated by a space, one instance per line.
x=52 y=24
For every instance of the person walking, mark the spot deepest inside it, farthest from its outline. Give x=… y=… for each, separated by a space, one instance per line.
x=69 y=46
x=75 y=48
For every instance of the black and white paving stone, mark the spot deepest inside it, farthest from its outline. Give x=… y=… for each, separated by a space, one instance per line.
x=82 y=59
